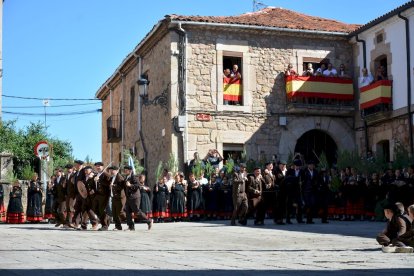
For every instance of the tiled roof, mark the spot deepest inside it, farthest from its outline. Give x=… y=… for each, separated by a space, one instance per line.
x=275 y=17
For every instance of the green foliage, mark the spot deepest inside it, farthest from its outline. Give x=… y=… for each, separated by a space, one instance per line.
x=290 y=158
x=197 y=170
x=336 y=184
x=229 y=165
x=348 y=159
x=401 y=157
x=158 y=171
x=138 y=168
x=20 y=143
x=10 y=177
x=208 y=170
x=172 y=164
x=27 y=173
x=323 y=161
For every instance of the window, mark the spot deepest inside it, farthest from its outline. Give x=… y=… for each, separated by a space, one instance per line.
x=232 y=80
x=316 y=63
x=132 y=99
x=229 y=53
x=380 y=38
x=233 y=151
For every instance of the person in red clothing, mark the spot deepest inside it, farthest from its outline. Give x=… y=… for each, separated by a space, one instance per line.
x=15 y=212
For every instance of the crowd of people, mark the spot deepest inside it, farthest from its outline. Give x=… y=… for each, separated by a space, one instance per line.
x=286 y=193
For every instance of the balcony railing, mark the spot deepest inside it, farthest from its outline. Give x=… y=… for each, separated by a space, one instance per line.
x=113 y=128
x=376 y=99
x=321 y=95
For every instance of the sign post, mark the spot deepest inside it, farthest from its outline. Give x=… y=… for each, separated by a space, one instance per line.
x=41 y=150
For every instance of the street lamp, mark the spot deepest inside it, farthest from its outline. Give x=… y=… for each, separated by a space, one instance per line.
x=143 y=87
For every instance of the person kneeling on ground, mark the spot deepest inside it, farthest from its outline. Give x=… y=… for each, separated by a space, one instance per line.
x=407 y=239
x=396 y=226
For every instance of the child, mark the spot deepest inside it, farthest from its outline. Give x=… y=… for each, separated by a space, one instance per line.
x=15 y=212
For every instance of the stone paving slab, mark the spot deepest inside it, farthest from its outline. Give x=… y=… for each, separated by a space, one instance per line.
x=202 y=248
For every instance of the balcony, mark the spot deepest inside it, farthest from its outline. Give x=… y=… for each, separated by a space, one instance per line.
x=322 y=96
x=376 y=101
x=113 y=128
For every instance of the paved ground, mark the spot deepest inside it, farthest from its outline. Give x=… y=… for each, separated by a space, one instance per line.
x=212 y=248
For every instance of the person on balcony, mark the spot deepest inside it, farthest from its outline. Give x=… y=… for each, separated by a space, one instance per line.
x=290 y=71
x=342 y=72
x=320 y=70
x=309 y=70
x=366 y=78
x=330 y=72
x=380 y=74
x=235 y=74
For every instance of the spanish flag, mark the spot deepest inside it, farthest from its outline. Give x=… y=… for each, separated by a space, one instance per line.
x=319 y=87
x=232 y=89
x=376 y=93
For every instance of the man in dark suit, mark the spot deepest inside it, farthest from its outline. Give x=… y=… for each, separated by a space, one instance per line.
x=116 y=188
x=256 y=183
x=269 y=190
x=78 y=174
x=280 y=187
x=89 y=184
x=133 y=198
x=100 y=202
x=59 y=194
x=240 y=202
x=293 y=183
x=309 y=190
x=70 y=194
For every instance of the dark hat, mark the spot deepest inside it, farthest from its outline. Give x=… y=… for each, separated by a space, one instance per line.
x=88 y=167
x=311 y=161
x=297 y=162
x=128 y=168
x=113 y=168
x=282 y=162
x=68 y=166
x=58 y=169
x=390 y=206
x=80 y=162
x=256 y=168
x=268 y=163
x=98 y=164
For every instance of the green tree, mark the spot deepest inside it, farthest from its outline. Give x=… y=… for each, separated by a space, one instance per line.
x=21 y=143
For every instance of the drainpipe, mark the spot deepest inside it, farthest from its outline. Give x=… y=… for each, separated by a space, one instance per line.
x=182 y=84
x=110 y=114
x=407 y=46
x=364 y=57
x=122 y=117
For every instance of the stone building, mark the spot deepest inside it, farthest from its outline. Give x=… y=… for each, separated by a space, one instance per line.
x=386 y=106
x=169 y=94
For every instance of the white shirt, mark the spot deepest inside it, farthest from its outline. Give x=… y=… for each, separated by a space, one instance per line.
x=330 y=73
x=365 y=80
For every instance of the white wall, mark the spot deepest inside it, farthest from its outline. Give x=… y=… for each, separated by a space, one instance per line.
x=394 y=29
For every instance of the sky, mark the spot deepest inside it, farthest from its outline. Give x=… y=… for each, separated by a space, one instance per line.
x=61 y=49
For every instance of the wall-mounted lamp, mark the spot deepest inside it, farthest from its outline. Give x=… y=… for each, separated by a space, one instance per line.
x=161 y=100
x=143 y=86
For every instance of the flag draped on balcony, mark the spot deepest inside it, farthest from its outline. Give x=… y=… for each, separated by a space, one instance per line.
x=232 y=89
x=377 y=93
x=319 y=87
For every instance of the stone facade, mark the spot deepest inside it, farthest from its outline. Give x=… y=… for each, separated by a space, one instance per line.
x=254 y=125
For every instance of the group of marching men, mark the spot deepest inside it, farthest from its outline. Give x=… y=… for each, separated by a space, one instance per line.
x=84 y=193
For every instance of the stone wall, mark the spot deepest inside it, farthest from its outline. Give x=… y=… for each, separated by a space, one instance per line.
x=265 y=61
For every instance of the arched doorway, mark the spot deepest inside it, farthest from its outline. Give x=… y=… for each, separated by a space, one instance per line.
x=312 y=143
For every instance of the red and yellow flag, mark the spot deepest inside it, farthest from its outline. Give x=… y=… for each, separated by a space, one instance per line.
x=232 y=89
x=319 y=87
x=376 y=93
